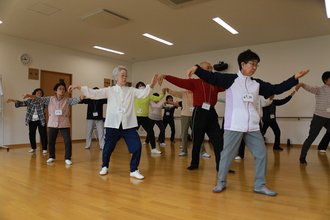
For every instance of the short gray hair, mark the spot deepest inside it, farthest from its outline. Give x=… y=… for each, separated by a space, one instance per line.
x=116 y=71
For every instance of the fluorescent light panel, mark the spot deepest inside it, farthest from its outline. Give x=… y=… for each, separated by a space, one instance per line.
x=157 y=39
x=327 y=7
x=109 y=50
x=225 y=25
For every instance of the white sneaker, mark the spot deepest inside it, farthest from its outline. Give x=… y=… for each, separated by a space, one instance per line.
x=155 y=151
x=206 y=155
x=238 y=158
x=182 y=154
x=322 y=151
x=44 y=151
x=68 y=162
x=180 y=146
x=136 y=174
x=50 y=160
x=32 y=150
x=104 y=171
x=87 y=147
x=144 y=143
x=162 y=144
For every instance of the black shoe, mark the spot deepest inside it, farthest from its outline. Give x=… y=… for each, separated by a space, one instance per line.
x=231 y=171
x=277 y=148
x=192 y=168
x=303 y=161
x=173 y=142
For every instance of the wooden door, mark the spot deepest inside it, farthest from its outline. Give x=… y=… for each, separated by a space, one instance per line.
x=48 y=80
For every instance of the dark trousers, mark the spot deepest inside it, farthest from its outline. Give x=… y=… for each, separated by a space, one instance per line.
x=324 y=143
x=160 y=124
x=276 y=129
x=132 y=139
x=205 y=121
x=172 y=126
x=146 y=125
x=317 y=124
x=65 y=132
x=33 y=125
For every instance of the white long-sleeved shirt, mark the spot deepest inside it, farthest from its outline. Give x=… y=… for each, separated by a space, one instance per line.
x=120 y=108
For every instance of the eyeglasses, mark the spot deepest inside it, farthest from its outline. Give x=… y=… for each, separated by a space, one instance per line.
x=123 y=76
x=254 y=64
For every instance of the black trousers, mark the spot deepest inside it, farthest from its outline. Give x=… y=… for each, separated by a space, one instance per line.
x=161 y=127
x=205 y=122
x=172 y=126
x=65 y=132
x=324 y=143
x=317 y=124
x=33 y=125
x=276 y=129
x=146 y=125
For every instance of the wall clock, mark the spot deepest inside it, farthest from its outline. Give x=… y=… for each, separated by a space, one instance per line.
x=25 y=59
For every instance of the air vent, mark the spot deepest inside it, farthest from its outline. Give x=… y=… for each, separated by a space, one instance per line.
x=176 y=4
x=104 y=18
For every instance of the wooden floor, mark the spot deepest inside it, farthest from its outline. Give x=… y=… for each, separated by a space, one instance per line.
x=33 y=189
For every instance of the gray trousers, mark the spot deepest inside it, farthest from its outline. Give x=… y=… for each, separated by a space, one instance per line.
x=255 y=143
x=90 y=125
x=185 y=123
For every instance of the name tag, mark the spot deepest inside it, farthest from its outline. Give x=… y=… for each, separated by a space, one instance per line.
x=155 y=112
x=247 y=97
x=121 y=110
x=58 y=112
x=167 y=113
x=328 y=109
x=272 y=116
x=35 y=117
x=95 y=114
x=206 y=106
x=191 y=109
x=140 y=111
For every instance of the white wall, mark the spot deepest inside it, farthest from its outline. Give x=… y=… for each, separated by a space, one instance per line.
x=86 y=69
x=279 y=61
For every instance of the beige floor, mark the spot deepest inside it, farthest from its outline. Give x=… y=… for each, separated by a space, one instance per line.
x=33 y=189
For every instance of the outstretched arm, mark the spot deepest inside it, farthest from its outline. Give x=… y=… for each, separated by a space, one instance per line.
x=73 y=87
x=153 y=81
x=28 y=96
x=11 y=100
x=300 y=85
x=301 y=74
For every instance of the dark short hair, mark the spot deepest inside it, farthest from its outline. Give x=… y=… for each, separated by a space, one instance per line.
x=36 y=90
x=58 y=85
x=140 y=84
x=169 y=96
x=96 y=88
x=247 y=56
x=325 y=76
x=155 y=94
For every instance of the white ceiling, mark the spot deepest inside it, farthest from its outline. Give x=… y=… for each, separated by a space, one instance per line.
x=189 y=27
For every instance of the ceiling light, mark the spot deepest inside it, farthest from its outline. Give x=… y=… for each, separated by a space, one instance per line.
x=157 y=39
x=225 y=25
x=109 y=50
x=327 y=7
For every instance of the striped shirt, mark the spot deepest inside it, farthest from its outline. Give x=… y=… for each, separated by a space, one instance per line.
x=322 y=96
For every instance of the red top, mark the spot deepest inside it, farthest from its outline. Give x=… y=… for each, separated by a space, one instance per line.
x=203 y=92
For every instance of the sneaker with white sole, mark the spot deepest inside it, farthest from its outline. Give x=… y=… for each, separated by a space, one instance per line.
x=238 y=158
x=32 y=150
x=182 y=154
x=136 y=174
x=68 y=162
x=104 y=171
x=265 y=191
x=219 y=188
x=322 y=151
x=87 y=147
x=44 y=151
x=162 y=144
x=155 y=151
x=206 y=155
x=50 y=160
x=144 y=143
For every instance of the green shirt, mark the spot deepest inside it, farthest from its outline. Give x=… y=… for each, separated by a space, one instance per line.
x=142 y=105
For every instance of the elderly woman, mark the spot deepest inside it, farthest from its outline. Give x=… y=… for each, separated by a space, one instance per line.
x=120 y=117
